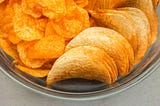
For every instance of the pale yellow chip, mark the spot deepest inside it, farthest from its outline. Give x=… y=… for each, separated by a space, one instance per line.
x=33 y=72
x=119 y=21
x=147 y=7
x=102 y=38
x=3 y=35
x=85 y=62
x=143 y=31
x=47 y=47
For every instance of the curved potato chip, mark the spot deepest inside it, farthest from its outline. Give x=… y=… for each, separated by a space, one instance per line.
x=143 y=31
x=81 y=3
x=147 y=7
x=83 y=62
x=26 y=27
x=76 y=20
x=47 y=47
x=6 y=24
x=33 y=72
x=119 y=21
x=101 y=38
x=22 y=50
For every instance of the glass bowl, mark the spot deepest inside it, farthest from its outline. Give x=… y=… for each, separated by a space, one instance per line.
x=79 y=89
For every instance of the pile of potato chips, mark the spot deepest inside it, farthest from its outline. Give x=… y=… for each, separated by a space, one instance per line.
x=54 y=38
x=35 y=32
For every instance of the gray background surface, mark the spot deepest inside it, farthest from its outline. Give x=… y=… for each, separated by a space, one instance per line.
x=147 y=93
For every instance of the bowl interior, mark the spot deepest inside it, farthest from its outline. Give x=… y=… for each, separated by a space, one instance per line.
x=71 y=87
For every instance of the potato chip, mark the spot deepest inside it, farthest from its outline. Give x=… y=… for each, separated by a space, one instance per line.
x=22 y=50
x=14 y=38
x=50 y=31
x=26 y=27
x=2 y=1
x=47 y=47
x=31 y=8
x=9 y=49
x=118 y=20
x=3 y=35
x=81 y=3
x=101 y=38
x=75 y=21
x=6 y=24
x=33 y=72
x=52 y=9
x=48 y=65
x=155 y=3
x=83 y=62
x=147 y=7
x=143 y=31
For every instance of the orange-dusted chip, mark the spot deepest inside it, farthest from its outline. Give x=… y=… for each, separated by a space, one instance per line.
x=76 y=20
x=68 y=28
x=9 y=48
x=3 y=35
x=22 y=50
x=47 y=47
x=50 y=31
x=13 y=38
x=2 y=1
x=81 y=3
x=6 y=19
x=48 y=64
x=30 y=8
x=26 y=27
x=52 y=9
x=33 y=72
